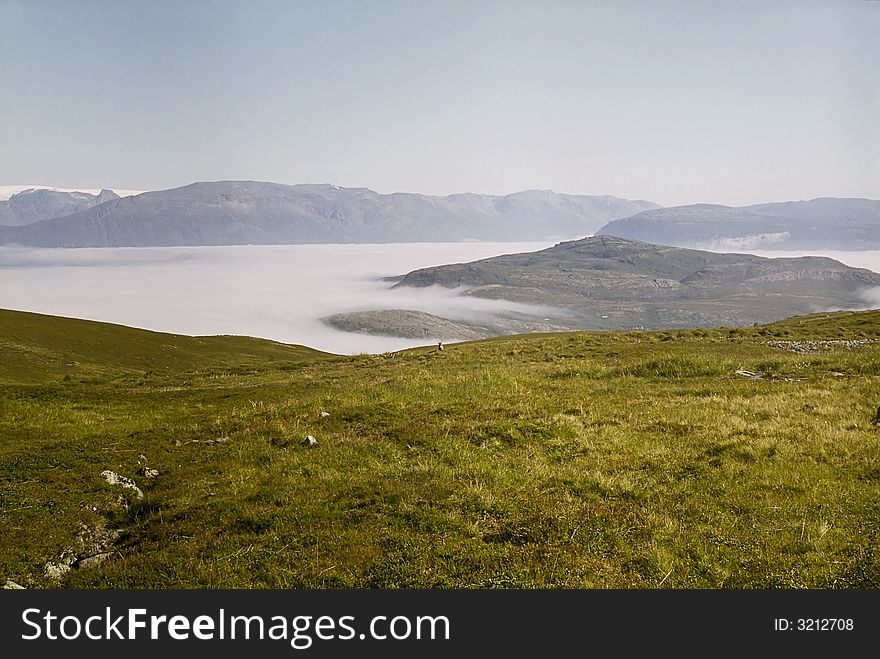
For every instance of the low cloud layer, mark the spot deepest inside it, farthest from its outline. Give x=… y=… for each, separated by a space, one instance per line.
x=871 y=297
x=755 y=241
x=275 y=292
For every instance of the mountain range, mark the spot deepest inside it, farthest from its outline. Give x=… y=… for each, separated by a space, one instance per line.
x=824 y=223
x=250 y=212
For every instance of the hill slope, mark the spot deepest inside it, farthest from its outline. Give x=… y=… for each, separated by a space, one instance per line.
x=249 y=212
x=37 y=348
x=740 y=458
x=825 y=223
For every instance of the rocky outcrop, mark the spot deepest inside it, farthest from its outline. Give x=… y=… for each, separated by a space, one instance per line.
x=808 y=347
x=115 y=479
x=93 y=545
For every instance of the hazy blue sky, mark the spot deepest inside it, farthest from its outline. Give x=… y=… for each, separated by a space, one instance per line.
x=677 y=102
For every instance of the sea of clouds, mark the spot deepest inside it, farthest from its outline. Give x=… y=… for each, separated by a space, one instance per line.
x=275 y=292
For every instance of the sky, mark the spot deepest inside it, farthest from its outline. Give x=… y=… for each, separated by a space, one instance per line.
x=674 y=102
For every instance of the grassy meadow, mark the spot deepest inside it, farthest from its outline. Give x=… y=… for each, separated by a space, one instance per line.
x=577 y=460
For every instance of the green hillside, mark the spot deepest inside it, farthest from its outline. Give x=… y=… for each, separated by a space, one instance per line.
x=39 y=348
x=599 y=460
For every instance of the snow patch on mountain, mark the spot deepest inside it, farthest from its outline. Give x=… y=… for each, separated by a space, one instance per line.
x=6 y=191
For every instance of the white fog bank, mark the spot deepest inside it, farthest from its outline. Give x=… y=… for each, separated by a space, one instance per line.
x=273 y=292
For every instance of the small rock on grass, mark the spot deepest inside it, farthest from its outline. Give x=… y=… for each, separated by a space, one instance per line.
x=92 y=561
x=115 y=479
x=57 y=570
x=309 y=441
x=11 y=585
x=208 y=442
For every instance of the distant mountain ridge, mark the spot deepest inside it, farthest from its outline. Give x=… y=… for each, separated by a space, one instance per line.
x=251 y=212
x=823 y=223
x=38 y=204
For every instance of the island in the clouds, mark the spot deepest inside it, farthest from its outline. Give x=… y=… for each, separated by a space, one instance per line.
x=605 y=282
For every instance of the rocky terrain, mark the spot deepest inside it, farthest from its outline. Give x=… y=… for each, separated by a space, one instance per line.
x=607 y=282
